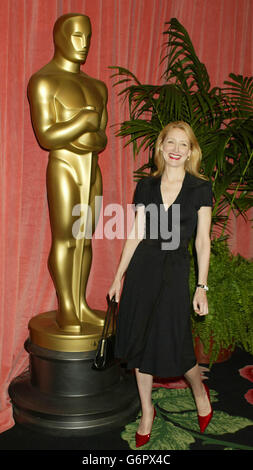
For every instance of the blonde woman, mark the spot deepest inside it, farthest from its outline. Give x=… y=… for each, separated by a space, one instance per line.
x=154 y=330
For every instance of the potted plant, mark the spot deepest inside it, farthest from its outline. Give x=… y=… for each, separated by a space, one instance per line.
x=229 y=323
x=222 y=119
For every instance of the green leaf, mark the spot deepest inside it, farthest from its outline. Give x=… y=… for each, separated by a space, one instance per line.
x=164 y=436
x=240 y=92
x=182 y=60
x=176 y=424
x=221 y=422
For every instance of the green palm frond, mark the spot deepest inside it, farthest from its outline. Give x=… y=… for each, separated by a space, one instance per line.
x=128 y=76
x=182 y=62
x=240 y=93
x=142 y=133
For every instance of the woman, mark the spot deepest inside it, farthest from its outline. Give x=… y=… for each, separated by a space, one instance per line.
x=154 y=330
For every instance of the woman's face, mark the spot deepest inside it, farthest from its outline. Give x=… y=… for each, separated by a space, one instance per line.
x=176 y=147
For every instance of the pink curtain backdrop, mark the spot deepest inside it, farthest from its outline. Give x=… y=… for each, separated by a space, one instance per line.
x=128 y=33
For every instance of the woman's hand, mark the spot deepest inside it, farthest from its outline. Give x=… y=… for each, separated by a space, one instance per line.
x=115 y=289
x=200 y=303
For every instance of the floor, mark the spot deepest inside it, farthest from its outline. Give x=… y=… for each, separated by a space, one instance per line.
x=175 y=427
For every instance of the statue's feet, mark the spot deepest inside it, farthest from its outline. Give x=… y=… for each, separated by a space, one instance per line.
x=68 y=322
x=96 y=317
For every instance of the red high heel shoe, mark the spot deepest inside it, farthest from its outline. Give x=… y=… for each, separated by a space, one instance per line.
x=205 y=420
x=141 y=439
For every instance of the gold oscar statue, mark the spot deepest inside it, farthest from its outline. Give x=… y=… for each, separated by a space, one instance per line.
x=69 y=117
x=61 y=392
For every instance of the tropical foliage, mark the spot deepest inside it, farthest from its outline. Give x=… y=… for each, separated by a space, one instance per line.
x=230 y=320
x=221 y=117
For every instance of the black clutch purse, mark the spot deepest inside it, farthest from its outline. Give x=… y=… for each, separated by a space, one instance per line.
x=105 y=351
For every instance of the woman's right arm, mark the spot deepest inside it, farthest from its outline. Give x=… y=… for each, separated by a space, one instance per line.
x=133 y=240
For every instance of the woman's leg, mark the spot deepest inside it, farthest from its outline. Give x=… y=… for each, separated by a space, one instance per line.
x=145 y=382
x=194 y=378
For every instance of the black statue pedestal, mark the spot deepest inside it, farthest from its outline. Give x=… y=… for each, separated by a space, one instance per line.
x=62 y=394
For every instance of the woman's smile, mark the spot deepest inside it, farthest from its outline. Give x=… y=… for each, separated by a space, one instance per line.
x=174 y=156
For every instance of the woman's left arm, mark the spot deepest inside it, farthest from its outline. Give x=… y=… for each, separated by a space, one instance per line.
x=203 y=248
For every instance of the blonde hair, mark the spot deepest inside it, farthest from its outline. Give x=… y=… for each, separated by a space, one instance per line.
x=192 y=165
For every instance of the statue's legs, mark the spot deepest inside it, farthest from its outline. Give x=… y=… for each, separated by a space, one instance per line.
x=86 y=314
x=63 y=195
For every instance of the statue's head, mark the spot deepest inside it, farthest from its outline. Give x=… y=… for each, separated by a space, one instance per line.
x=72 y=34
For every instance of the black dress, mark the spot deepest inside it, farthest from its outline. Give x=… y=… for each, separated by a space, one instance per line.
x=153 y=325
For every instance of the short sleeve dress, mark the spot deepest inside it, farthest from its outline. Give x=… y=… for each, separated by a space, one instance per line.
x=153 y=324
